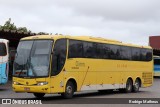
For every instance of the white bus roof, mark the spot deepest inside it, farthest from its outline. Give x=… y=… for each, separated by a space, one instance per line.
x=156 y=57
x=4 y=40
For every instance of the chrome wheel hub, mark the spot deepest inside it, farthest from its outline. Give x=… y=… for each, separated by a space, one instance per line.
x=69 y=89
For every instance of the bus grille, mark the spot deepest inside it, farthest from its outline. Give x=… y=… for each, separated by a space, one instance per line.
x=147 y=76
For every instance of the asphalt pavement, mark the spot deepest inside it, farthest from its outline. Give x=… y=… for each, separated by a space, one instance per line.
x=86 y=97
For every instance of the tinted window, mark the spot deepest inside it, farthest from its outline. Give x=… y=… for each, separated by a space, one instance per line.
x=75 y=49
x=115 y=52
x=83 y=49
x=106 y=51
x=146 y=54
x=125 y=53
x=59 y=56
x=3 y=50
x=103 y=51
x=99 y=51
x=89 y=50
x=136 y=54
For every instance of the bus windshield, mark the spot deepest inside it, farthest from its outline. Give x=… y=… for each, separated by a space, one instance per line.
x=32 y=58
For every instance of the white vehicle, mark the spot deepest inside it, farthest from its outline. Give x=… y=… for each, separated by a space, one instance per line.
x=4 y=63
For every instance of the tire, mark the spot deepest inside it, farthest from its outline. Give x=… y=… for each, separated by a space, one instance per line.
x=129 y=86
x=136 y=86
x=39 y=95
x=69 y=90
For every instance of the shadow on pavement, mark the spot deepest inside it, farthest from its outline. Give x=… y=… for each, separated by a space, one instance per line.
x=79 y=96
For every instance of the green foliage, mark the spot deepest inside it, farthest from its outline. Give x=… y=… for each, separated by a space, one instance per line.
x=42 y=33
x=22 y=29
x=10 y=26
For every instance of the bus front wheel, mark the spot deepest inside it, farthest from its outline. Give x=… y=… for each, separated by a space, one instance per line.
x=69 y=90
x=39 y=95
x=129 y=86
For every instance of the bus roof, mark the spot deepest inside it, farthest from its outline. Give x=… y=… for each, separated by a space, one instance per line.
x=84 y=38
x=156 y=57
x=4 y=40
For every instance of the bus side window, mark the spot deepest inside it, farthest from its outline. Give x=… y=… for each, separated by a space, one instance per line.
x=59 y=56
x=143 y=55
x=149 y=55
x=125 y=53
x=115 y=52
x=88 y=50
x=75 y=49
x=146 y=54
x=136 y=54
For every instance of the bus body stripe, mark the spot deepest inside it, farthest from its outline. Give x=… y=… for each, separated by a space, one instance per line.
x=101 y=87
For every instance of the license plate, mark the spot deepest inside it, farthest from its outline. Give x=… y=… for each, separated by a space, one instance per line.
x=26 y=89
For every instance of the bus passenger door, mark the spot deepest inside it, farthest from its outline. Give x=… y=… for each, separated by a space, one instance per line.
x=57 y=66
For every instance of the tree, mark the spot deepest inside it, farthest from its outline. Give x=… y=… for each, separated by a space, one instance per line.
x=10 y=26
x=22 y=29
x=42 y=33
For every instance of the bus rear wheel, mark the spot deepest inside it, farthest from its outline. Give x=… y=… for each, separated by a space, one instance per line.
x=69 y=90
x=129 y=86
x=136 y=86
x=39 y=95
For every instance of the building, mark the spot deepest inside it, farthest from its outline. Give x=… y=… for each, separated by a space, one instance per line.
x=154 y=42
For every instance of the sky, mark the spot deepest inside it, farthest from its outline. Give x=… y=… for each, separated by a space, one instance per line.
x=129 y=21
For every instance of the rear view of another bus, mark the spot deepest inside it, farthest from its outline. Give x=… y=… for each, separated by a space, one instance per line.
x=4 y=61
x=157 y=66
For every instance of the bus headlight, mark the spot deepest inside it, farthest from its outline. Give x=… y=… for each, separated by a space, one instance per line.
x=42 y=83
x=16 y=83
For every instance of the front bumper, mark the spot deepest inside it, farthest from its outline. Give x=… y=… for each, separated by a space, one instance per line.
x=31 y=89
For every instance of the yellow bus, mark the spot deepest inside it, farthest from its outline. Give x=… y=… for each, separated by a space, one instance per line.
x=61 y=64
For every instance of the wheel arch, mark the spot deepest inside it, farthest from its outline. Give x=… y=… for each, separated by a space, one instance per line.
x=73 y=80
x=130 y=79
